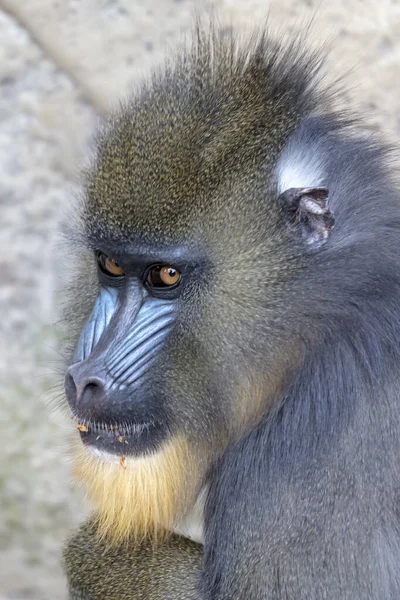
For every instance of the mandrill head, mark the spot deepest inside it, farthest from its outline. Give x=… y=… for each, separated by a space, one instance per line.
x=188 y=248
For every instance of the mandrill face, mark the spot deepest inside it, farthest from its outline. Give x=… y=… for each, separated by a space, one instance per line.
x=179 y=296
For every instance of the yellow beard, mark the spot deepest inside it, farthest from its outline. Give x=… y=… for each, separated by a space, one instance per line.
x=139 y=497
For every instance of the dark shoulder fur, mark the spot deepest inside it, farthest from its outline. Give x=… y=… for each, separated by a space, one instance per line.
x=319 y=477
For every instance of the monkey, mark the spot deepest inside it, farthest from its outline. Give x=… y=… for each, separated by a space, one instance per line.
x=234 y=324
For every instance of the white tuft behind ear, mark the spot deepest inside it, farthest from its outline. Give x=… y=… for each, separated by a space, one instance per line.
x=298 y=168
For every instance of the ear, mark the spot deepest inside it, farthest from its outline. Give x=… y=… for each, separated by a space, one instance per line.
x=306 y=209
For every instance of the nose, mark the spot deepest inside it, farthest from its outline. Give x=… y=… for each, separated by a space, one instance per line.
x=86 y=391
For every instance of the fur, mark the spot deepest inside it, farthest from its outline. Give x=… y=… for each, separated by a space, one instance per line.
x=283 y=371
x=139 y=497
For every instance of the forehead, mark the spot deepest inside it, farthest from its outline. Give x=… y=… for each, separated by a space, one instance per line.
x=162 y=173
x=191 y=144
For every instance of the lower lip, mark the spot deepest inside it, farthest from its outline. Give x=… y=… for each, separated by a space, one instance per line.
x=140 y=439
x=104 y=455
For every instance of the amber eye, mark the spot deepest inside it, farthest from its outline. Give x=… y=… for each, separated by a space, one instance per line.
x=163 y=276
x=109 y=266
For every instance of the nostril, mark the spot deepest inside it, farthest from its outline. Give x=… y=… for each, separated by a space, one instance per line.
x=91 y=392
x=84 y=390
x=91 y=386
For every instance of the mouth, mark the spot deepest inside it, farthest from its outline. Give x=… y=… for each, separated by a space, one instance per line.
x=121 y=439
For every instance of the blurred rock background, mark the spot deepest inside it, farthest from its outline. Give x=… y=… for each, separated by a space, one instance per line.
x=62 y=63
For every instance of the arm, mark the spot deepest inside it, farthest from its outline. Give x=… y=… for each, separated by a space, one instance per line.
x=170 y=571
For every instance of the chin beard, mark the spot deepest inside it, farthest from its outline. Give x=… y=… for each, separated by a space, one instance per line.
x=138 y=497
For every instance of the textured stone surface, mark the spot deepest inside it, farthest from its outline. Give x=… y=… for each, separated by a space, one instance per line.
x=61 y=64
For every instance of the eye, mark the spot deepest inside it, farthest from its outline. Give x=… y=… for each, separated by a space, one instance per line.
x=163 y=276
x=109 y=266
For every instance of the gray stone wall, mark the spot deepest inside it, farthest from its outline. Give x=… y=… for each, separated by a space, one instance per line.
x=62 y=64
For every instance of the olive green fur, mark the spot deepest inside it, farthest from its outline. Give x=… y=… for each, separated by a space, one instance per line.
x=97 y=572
x=173 y=166
x=205 y=130
x=171 y=171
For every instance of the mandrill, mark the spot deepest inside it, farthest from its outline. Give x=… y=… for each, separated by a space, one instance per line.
x=235 y=319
